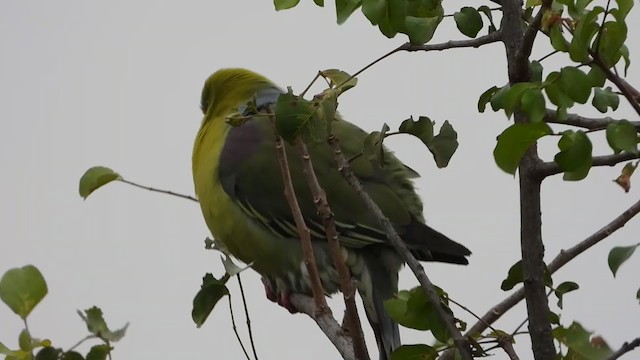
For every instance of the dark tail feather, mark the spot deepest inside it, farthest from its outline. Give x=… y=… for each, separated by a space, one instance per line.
x=383 y=286
x=427 y=244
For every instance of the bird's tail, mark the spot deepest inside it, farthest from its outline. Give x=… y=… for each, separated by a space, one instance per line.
x=383 y=286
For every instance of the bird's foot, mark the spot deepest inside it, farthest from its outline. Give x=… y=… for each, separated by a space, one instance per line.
x=283 y=299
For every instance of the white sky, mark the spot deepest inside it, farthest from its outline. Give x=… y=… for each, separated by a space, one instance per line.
x=118 y=84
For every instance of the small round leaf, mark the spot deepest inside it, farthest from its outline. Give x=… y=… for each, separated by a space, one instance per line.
x=96 y=177
x=22 y=289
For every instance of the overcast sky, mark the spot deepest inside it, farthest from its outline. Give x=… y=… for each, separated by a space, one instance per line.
x=118 y=84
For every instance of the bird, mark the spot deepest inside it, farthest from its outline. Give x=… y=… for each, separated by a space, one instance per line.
x=240 y=189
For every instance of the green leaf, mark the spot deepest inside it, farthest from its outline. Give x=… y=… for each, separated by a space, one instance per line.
x=285 y=4
x=585 y=30
x=96 y=177
x=5 y=350
x=98 y=326
x=444 y=145
x=638 y=295
x=574 y=157
x=533 y=104
x=339 y=79
x=624 y=51
x=211 y=291
x=557 y=39
x=564 y=288
x=486 y=97
x=624 y=6
x=374 y=10
x=413 y=309
x=513 y=96
x=556 y=92
x=422 y=129
x=22 y=289
x=344 y=9
x=597 y=77
x=622 y=136
x=48 y=353
x=578 y=340
x=576 y=84
x=514 y=142
x=72 y=355
x=487 y=12
x=319 y=2
x=414 y=352
x=605 y=98
x=468 y=21
x=613 y=37
x=294 y=117
x=99 y=352
x=554 y=319
x=618 y=255
x=421 y=29
x=498 y=98
x=536 y=71
x=24 y=340
x=514 y=277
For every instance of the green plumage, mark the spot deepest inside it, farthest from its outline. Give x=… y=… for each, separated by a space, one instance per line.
x=238 y=182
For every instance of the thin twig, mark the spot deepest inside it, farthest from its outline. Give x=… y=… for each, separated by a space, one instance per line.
x=167 y=192
x=88 y=337
x=584 y=122
x=235 y=330
x=529 y=38
x=629 y=92
x=303 y=230
x=495 y=36
x=558 y=262
x=246 y=315
x=551 y=168
x=462 y=344
x=470 y=312
x=346 y=286
x=625 y=348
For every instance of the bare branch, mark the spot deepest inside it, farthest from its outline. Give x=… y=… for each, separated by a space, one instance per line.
x=493 y=37
x=584 y=122
x=452 y=44
x=531 y=244
x=329 y=326
x=558 y=262
x=343 y=166
x=166 y=192
x=546 y=169
x=625 y=348
x=346 y=285
x=303 y=231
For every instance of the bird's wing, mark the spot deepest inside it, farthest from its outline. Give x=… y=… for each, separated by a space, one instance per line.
x=250 y=174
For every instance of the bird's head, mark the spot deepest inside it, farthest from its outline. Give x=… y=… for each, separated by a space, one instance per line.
x=227 y=89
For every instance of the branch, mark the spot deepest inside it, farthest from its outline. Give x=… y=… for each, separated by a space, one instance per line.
x=493 y=37
x=305 y=237
x=345 y=170
x=546 y=169
x=167 y=192
x=346 y=285
x=531 y=244
x=506 y=344
x=625 y=348
x=630 y=93
x=529 y=37
x=584 y=122
x=329 y=326
x=558 y=262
